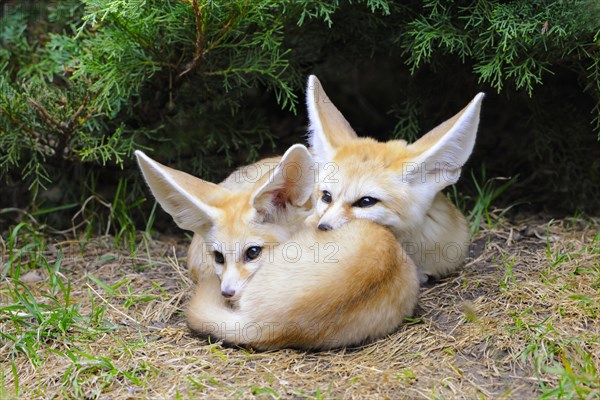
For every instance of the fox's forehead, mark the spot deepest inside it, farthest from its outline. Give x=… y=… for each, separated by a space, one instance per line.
x=352 y=185
x=364 y=166
x=238 y=225
x=236 y=209
x=237 y=238
x=236 y=216
x=369 y=153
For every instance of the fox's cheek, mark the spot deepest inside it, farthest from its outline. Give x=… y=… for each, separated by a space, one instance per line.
x=349 y=213
x=380 y=215
x=375 y=214
x=253 y=266
x=322 y=208
x=218 y=270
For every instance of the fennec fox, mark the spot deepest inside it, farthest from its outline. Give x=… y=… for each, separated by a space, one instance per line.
x=395 y=184
x=305 y=288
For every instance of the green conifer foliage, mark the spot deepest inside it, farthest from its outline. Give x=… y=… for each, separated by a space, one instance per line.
x=206 y=84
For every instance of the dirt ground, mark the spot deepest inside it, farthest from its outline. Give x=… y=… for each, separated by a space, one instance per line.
x=520 y=320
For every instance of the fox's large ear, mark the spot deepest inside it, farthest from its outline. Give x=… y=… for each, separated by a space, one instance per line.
x=328 y=129
x=183 y=196
x=443 y=151
x=292 y=182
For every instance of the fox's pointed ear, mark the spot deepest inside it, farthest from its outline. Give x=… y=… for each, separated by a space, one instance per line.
x=443 y=151
x=328 y=129
x=183 y=196
x=292 y=182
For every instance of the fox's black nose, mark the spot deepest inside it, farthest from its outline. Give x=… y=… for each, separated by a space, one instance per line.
x=325 y=227
x=228 y=293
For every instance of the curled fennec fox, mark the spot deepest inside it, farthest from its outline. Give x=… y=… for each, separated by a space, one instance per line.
x=360 y=292
x=306 y=288
x=395 y=184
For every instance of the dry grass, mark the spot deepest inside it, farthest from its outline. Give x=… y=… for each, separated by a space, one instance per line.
x=519 y=321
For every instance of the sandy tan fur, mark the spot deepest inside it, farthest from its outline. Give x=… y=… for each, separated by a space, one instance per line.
x=244 y=211
x=407 y=178
x=243 y=180
x=309 y=289
x=364 y=294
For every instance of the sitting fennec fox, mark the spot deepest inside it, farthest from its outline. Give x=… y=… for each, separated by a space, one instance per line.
x=395 y=184
x=296 y=292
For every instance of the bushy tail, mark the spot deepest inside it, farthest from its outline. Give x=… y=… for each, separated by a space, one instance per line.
x=210 y=315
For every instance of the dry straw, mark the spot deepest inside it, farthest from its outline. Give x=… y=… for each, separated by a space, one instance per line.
x=519 y=320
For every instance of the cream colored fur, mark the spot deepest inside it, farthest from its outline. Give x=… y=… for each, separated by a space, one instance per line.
x=358 y=290
x=309 y=289
x=406 y=178
x=244 y=179
x=239 y=213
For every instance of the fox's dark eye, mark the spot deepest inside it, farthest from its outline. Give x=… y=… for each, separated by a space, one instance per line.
x=219 y=259
x=326 y=198
x=365 y=202
x=253 y=252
